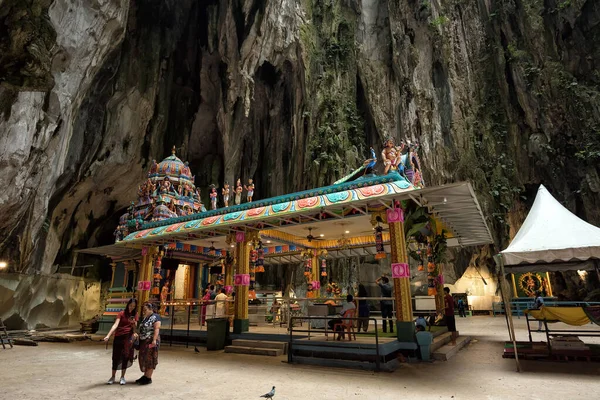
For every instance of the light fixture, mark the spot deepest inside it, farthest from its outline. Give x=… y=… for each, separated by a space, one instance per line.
x=445 y=200
x=3 y=264
x=321 y=235
x=347 y=231
x=233 y=245
x=581 y=273
x=268 y=241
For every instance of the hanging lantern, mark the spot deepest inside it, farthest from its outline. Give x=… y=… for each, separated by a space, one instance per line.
x=323 y=267
x=379 y=243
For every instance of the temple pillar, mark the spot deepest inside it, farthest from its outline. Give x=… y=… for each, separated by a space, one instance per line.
x=439 y=286
x=113 y=266
x=403 y=299
x=241 y=323
x=145 y=274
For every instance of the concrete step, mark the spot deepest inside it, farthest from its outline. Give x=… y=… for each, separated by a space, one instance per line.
x=257 y=351
x=261 y=344
x=448 y=351
x=440 y=341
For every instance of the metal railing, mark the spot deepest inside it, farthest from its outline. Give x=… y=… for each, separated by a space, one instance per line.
x=518 y=307
x=342 y=332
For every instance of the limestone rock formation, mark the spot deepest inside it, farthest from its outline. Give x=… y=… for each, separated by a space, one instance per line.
x=291 y=92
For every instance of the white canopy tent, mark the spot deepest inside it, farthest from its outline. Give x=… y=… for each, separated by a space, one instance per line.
x=552 y=239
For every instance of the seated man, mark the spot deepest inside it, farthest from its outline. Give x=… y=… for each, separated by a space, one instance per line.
x=348 y=305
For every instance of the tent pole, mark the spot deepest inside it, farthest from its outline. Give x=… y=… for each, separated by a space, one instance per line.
x=507 y=310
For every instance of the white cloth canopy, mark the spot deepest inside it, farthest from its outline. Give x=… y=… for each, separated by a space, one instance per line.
x=552 y=234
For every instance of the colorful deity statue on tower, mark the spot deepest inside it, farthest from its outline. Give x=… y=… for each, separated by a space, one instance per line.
x=238 y=192
x=225 y=191
x=391 y=155
x=213 y=197
x=250 y=189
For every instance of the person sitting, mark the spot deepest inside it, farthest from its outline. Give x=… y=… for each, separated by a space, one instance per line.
x=349 y=305
x=421 y=322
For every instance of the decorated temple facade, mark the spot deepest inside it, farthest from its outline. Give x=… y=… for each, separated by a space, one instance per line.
x=182 y=248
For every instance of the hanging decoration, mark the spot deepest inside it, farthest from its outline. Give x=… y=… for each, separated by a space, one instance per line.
x=379 y=243
x=260 y=262
x=323 y=258
x=157 y=276
x=307 y=255
x=253 y=260
x=431 y=270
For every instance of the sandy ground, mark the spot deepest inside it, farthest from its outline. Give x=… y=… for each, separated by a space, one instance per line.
x=79 y=371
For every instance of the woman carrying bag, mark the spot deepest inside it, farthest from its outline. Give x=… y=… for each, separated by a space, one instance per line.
x=149 y=343
x=124 y=331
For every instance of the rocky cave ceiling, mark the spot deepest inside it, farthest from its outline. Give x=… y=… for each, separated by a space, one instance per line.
x=291 y=92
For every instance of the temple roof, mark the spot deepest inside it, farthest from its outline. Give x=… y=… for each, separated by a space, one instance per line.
x=338 y=210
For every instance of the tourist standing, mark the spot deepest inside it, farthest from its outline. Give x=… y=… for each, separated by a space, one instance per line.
x=124 y=330
x=221 y=303
x=449 y=314
x=387 y=308
x=539 y=303
x=461 y=308
x=363 y=309
x=149 y=343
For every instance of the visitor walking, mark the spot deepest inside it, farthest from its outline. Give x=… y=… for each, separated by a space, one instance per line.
x=363 y=309
x=348 y=305
x=387 y=308
x=149 y=343
x=221 y=303
x=124 y=330
x=449 y=314
x=539 y=303
x=461 y=308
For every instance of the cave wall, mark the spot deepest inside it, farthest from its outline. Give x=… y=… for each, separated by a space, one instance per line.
x=47 y=301
x=503 y=93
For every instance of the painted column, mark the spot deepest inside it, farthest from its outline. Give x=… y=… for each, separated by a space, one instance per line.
x=403 y=300
x=243 y=246
x=113 y=265
x=439 y=286
x=145 y=273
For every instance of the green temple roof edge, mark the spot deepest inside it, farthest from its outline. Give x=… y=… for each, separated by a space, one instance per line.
x=359 y=183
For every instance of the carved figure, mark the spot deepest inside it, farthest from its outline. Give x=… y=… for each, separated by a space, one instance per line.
x=225 y=191
x=391 y=155
x=238 y=192
x=186 y=169
x=198 y=193
x=250 y=189
x=213 y=197
x=180 y=188
x=153 y=168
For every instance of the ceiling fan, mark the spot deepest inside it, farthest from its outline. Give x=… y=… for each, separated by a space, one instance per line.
x=310 y=236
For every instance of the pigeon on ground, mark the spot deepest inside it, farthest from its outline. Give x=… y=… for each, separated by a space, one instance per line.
x=196 y=350
x=269 y=395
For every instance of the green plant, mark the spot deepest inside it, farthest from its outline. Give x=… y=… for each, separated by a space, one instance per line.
x=439 y=21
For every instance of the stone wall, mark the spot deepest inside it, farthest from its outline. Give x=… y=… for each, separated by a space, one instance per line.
x=58 y=300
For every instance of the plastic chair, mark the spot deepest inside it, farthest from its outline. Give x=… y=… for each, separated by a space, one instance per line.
x=346 y=324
